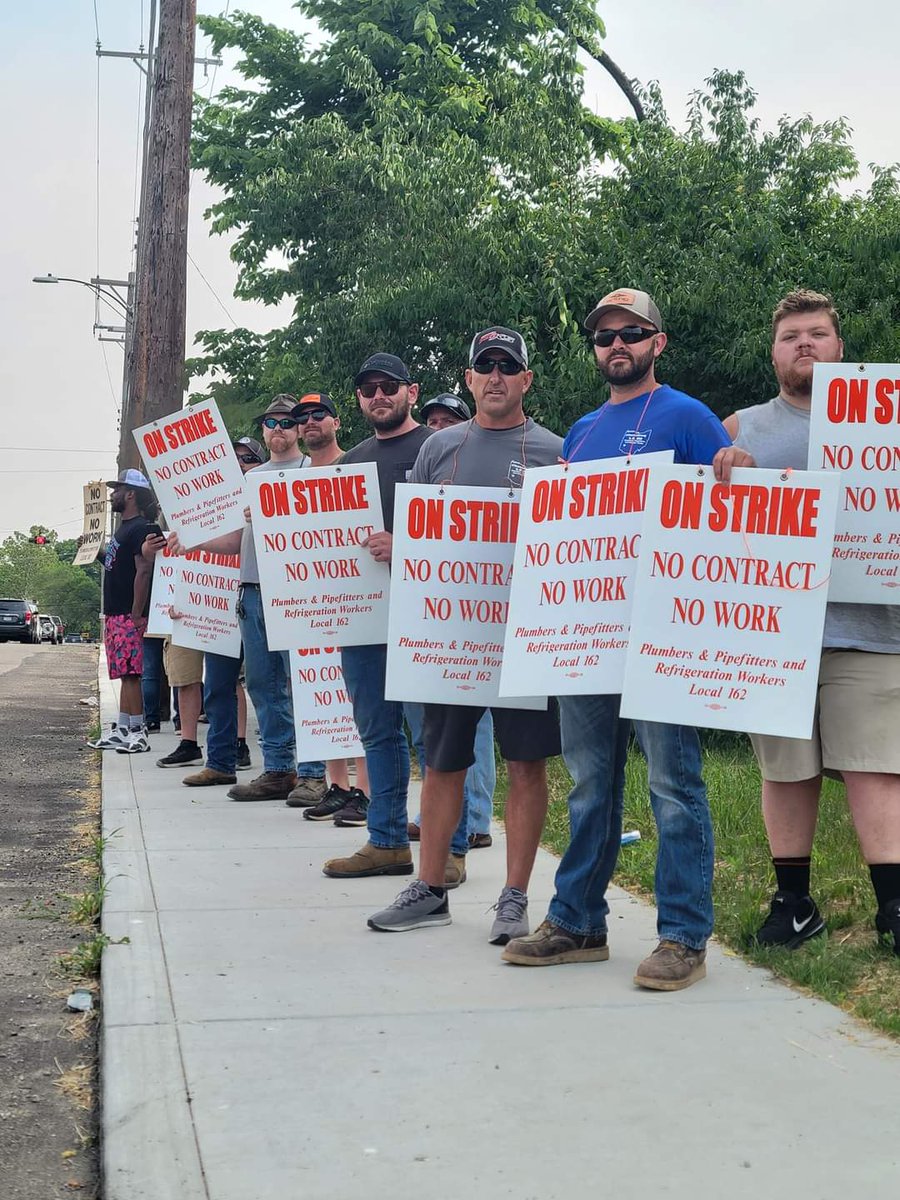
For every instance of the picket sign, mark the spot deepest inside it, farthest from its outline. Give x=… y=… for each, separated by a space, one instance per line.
x=94 y=526
x=205 y=597
x=323 y=715
x=162 y=593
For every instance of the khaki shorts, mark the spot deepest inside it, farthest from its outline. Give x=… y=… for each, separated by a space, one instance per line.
x=856 y=725
x=183 y=666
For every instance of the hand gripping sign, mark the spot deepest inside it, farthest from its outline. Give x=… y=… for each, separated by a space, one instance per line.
x=205 y=599
x=194 y=472
x=729 y=601
x=573 y=576
x=854 y=429
x=94 y=524
x=323 y=713
x=319 y=583
x=450 y=572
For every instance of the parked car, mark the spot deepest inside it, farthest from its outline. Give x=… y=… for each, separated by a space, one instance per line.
x=48 y=629
x=59 y=627
x=73 y=637
x=19 y=621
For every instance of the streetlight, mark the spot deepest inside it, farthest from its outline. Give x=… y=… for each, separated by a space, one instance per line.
x=100 y=287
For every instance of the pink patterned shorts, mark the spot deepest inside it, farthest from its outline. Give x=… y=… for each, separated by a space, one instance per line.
x=124 y=646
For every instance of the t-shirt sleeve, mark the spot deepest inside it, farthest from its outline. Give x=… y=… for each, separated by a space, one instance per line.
x=421 y=472
x=703 y=438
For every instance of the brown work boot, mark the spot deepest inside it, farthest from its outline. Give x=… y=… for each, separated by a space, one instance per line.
x=671 y=967
x=455 y=871
x=307 y=793
x=480 y=841
x=413 y=832
x=208 y=777
x=271 y=785
x=550 y=946
x=371 y=860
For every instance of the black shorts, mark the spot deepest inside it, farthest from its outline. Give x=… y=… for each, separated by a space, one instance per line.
x=523 y=734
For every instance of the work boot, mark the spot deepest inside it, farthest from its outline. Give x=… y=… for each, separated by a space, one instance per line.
x=671 y=967
x=371 y=860
x=209 y=777
x=271 y=785
x=455 y=871
x=887 y=922
x=309 y=791
x=550 y=946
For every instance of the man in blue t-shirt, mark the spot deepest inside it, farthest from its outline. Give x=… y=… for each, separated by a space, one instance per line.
x=640 y=416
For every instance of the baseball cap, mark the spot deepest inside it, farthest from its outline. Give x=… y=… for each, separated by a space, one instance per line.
x=384 y=364
x=315 y=400
x=510 y=341
x=131 y=478
x=447 y=400
x=641 y=304
x=281 y=406
x=252 y=445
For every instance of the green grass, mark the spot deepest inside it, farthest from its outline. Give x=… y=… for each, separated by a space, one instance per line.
x=848 y=968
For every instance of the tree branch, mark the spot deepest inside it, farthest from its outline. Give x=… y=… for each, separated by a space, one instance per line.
x=621 y=79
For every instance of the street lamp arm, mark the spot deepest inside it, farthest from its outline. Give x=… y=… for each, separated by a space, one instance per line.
x=94 y=287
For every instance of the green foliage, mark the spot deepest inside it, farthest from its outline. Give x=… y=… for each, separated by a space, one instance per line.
x=431 y=168
x=45 y=574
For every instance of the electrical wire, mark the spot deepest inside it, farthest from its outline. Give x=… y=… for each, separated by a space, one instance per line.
x=112 y=390
x=212 y=289
x=212 y=82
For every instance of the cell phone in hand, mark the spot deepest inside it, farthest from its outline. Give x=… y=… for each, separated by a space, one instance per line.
x=153 y=530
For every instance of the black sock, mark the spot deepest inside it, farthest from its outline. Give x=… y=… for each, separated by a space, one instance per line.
x=792 y=875
x=440 y=892
x=886 y=882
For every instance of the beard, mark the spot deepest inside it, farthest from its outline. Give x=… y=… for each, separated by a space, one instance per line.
x=796 y=380
x=387 y=419
x=625 y=371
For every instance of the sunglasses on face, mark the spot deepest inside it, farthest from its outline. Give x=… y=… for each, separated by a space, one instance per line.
x=506 y=366
x=317 y=414
x=390 y=387
x=247 y=458
x=279 y=422
x=629 y=335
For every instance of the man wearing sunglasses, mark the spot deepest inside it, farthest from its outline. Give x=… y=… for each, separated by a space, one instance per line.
x=640 y=416
x=492 y=450
x=318 y=422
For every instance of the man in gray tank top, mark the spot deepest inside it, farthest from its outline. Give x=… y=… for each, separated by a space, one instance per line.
x=858 y=709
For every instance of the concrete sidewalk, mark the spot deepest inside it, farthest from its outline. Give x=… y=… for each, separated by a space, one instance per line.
x=260 y=1043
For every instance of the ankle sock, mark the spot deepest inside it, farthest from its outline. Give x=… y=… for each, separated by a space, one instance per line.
x=885 y=881
x=440 y=892
x=124 y=721
x=135 y=723
x=792 y=875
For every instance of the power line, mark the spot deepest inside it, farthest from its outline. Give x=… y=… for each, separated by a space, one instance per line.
x=212 y=82
x=112 y=390
x=212 y=289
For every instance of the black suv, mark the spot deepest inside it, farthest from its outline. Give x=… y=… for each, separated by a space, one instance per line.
x=19 y=621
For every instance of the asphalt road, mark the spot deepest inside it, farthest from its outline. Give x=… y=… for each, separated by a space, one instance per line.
x=44 y=762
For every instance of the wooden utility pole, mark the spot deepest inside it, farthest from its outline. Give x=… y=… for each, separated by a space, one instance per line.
x=155 y=354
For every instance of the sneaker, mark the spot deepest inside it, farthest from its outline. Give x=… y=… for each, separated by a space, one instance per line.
x=887 y=922
x=371 y=860
x=137 y=742
x=243 y=756
x=153 y=726
x=549 y=946
x=333 y=801
x=208 y=777
x=480 y=841
x=113 y=740
x=413 y=832
x=671 y=967
x=354 y=813
x=415 y=908
x=511 y=920
x=455 y=871
x=185 y=754
x=792 y=920
x=307 y=792
x=271 y=785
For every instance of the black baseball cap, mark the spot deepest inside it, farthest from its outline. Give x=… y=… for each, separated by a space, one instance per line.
x=384 y=364
x=447 y=400
x=314 y=400
x=252 y=445
x=510 y=341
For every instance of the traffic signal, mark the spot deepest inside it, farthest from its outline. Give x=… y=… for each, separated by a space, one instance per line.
x=39 y=539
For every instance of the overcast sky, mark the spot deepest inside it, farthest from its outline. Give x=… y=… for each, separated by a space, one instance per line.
x=61 y=387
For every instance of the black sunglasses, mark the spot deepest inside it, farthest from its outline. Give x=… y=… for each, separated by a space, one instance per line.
x=276 y=422
x=247 y=458
x=317 y=414
x=630 y=334
x=506 y=366
x=389 y=387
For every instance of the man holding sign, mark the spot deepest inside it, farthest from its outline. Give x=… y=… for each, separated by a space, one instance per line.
x=493 y=450
x=640 y=416
x=855 y=733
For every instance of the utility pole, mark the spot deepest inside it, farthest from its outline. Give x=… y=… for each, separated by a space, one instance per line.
x=155 y=355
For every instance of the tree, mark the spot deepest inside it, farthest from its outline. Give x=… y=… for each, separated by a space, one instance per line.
x=44 y=573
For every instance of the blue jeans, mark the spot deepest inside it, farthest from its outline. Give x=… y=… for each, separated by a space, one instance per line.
x=414 y=717
x=151 y=678
x=595 y=745
x=220 y=702
x=269 y=684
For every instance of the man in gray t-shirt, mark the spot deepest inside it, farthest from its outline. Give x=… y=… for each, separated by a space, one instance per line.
x=858 y=713
x=492 y=450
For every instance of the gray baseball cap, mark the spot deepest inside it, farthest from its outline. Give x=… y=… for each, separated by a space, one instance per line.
x=641 y=304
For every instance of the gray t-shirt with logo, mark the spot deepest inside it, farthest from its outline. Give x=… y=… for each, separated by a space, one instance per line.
x=249 y=568
x=777 y=435
x=472 y=455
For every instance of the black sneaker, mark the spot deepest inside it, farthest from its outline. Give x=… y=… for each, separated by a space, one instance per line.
x=243 y=756
x=887 y=922
x=332 y=802
x=353 y=814
x=185 y=754
x=792 y=920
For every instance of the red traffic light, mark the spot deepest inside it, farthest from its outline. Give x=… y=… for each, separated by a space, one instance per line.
x=39 y=540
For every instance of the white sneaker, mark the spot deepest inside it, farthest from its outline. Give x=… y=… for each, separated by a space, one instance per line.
x=137 y=742
x=114 y=740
